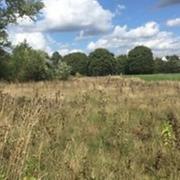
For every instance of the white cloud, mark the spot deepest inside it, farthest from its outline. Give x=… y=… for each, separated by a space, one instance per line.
x=123 y=39
x=72 y=15
x=36 y=40
x=65 y=51
x=173 y=22
x=85 y=16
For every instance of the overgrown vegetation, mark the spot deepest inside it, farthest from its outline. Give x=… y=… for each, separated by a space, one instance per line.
x=90 y=128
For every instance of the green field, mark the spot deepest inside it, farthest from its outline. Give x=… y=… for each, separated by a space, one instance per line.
x=158 y=77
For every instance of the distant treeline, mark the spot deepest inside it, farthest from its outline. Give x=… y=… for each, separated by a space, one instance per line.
x=27 y=64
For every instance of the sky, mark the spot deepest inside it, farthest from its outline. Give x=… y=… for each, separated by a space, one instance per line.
x=70 y=26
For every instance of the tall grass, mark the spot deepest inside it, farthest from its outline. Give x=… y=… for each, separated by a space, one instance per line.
x=90 y=128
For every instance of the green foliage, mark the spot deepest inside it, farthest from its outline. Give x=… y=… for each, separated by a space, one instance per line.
x=121 y=64
x=159 y=66
x=78 y=62
x=4 y=64
x=170 y=65
x=101 y=63
x=167 y=134
x=36 y=68
x=173 y=64
x=28 y=64
x=56 y=58
x=62 y=72
x=140 y=61
x=10 y=10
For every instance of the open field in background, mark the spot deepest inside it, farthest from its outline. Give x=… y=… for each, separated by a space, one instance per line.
x=90 y=128
x=158 y=77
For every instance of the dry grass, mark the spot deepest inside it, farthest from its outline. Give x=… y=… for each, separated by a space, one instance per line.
x=90 y=128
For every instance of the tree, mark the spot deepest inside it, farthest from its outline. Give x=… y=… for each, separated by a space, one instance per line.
x=173 y=64
x=78 y=62
x=4 y=64
x=159 y=66
x=28 y=64
x=140 y=61
x=36 y=69
x=56 y=58
x=101 y=63
x=62 y=71
x=121 y=64
x=11 y=10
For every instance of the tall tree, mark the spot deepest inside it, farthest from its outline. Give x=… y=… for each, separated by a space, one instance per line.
x=101 y=63
x=140 y=61
x=28 y=64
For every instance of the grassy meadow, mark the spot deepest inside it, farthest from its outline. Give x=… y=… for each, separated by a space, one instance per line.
x=90 y=128
x=159 y=77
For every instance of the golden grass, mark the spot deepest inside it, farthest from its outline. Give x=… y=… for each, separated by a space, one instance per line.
x=90 y=128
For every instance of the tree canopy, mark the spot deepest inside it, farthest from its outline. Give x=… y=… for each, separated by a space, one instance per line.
x=28 y=64
x=101 y=63
x=78 y=62
x=56 y=58
x=140 y=60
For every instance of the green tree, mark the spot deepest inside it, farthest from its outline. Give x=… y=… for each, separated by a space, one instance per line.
x=56 y=58
x=10 y=10
x=121 y=64
x=173 y=64
x=4 y=64
x=140 y=61
x=159 y=66
x=28 y=64
x=19 y=58
x=36 y=68
x=62 y=71
x=101 y=63
x=78 y=62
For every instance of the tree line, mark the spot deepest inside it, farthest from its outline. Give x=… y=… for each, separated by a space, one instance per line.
x=27 y=64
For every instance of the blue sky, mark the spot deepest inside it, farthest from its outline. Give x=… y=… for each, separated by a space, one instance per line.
x=118 y=25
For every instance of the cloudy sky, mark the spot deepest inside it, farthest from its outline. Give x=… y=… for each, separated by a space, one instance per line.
x=118 y=25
